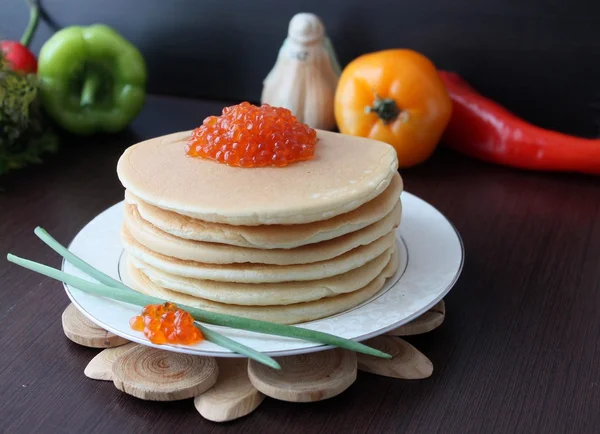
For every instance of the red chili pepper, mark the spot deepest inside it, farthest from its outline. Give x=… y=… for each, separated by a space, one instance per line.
x=483 y=129
x=16 y=53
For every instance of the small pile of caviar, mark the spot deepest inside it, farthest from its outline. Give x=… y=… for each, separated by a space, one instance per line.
x=166 y=323
x=249 y=136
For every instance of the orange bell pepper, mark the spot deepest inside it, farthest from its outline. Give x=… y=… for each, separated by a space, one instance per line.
x=395 y=96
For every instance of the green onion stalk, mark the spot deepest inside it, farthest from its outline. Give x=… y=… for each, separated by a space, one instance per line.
x=116 y=290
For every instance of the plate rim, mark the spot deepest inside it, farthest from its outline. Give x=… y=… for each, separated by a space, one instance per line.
x=289 y=352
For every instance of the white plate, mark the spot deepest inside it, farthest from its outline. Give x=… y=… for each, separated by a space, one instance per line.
x=431 y=254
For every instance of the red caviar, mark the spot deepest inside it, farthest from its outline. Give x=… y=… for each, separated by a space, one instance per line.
x=249 y=136
x=166 y=323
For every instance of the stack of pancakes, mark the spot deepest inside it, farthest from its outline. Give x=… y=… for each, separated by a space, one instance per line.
x=286 y=245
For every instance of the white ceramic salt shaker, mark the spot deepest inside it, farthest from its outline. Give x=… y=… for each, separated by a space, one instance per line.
x=305 y=74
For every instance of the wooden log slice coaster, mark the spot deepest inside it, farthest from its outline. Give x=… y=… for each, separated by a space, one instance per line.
x=232 y=396
x=84 y=332
x=430 y=320
x=407 y=362
x=100 y=367
x=307 y=377
x=157 y=375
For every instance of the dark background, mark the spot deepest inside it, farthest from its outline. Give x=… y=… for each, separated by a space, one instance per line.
x=539 y=58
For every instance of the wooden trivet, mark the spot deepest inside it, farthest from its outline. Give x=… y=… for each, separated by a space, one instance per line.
x=231 y=388
x=430 y=320
x=84 y=332
x=232 y=396
x=306 y=377
x=157 y=375
x=407 y=363
x=100 y=367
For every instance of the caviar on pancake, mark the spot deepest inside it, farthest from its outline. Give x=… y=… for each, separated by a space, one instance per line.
x=246 y=135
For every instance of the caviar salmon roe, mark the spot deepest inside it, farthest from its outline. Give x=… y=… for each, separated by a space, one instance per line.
x=249 y=136
x=166 y=323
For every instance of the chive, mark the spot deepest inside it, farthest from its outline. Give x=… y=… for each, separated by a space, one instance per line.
x=77 y=261
x=210 y=335
x=236 y=347
x=230 y=344
x=139 y=299
x=318 y=337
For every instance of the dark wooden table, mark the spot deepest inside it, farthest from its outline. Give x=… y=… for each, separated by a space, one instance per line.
x=519 y=351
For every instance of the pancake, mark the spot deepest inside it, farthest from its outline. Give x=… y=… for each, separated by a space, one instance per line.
x=345 y=173
x=267 y=294
x=258 y=273
x=289 y=314
x=270 y=236
x=213 y=253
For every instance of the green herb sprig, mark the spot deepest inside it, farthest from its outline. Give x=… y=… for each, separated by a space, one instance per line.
x=25 y=135
x=111 y=288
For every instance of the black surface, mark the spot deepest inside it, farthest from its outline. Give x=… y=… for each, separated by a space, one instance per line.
x=539 y=58
x=519 y=351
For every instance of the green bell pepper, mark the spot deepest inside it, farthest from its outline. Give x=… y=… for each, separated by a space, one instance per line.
x=92 y=80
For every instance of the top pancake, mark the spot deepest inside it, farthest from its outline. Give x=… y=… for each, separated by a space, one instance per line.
x=345 y=173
